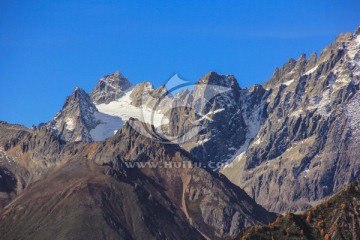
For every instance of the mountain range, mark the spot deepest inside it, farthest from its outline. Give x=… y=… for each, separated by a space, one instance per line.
x=282 y=146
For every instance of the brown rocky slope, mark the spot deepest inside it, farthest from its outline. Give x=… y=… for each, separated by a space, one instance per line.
x=337 y=218
x=86 y=191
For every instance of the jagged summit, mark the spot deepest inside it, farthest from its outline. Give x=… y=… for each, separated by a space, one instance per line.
x=79 y=95
x=110 y=88
x=76 y=117
x=293 y=69
x=79 y=100
x=213 y=78
x=310 y=131
x=311 y=62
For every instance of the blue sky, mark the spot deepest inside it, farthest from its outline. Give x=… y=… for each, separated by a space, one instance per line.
x=49 y=47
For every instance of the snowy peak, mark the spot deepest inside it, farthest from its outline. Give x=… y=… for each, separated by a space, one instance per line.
x=135 y=103
x=110 y=88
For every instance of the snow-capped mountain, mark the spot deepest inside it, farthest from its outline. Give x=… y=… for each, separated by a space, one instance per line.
x=300 y=128
x=101 y=114
x=113 y=115
x=138 y=162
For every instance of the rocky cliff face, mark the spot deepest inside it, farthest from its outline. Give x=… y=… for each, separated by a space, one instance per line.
x=12 y=175
x=208 y=119
x=110 y=88
x=305 y=149
x=145 y=96
x=89 y=190
x=336 y=218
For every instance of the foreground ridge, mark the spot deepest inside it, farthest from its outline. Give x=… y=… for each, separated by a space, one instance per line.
x=86 y=190
x=336 y=218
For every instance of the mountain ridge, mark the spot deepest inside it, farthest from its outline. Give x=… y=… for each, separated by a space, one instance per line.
x=94 y=176
x=304 y=113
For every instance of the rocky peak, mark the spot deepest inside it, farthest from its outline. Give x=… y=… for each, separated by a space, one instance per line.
x=110 y=88
x=257 y=89
x=336 y=49
x=141 y=93
x=300 y=64
x=288 y=66
x=80 y=99
x=221 y=90
x=160 y=91
x=144 y=95
x=214 y=105
x=279 y=73
x=213 y=78
x=80 y=103
x=311 y=62
x=76 y=117
x=183 y=94
x=309 y=118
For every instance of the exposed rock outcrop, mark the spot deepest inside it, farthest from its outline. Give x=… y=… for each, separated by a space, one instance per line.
x=110 y=88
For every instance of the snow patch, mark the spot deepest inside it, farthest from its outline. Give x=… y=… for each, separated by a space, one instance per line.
x=207 y=116
x=287 y=83
x=311 y=70
x=297 y=113
x=108 y=126
x=69 y=124
x=123 y=109
x=200 y=142
x=322 y=103
x=257 y=142
x=114 y=114
x=353 y=48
